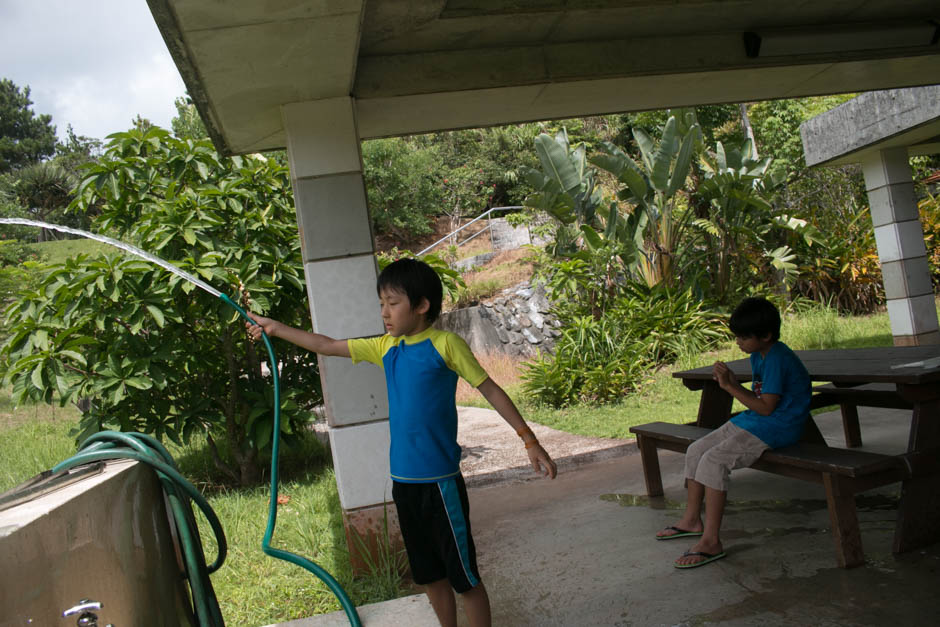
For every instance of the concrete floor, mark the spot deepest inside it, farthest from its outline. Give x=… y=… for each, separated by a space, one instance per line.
x=579 y=550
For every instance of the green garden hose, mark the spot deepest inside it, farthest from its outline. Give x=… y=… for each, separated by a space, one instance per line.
x=145 y=449
x=303 y=562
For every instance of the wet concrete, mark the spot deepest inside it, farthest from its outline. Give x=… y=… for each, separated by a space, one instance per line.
x=494 y=454
x=580 y=550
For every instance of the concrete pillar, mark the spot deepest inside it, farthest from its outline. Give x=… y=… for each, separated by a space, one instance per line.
x=340 y=269
x=900 y=240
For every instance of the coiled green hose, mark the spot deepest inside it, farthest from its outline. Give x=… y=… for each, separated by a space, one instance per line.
x=145 y=449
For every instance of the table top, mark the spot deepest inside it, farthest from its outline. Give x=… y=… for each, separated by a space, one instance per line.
x=915 y=365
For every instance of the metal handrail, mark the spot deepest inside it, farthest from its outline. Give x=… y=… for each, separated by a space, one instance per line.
x=485 y=214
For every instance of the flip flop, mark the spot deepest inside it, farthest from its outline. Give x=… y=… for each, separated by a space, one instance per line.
x=679 y=533
x=709 y=558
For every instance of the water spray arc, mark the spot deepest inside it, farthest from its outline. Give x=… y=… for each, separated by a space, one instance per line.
x=143 y=254
x=112 y=445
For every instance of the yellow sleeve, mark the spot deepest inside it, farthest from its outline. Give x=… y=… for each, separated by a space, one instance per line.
x=367 y=349
x=461 y=360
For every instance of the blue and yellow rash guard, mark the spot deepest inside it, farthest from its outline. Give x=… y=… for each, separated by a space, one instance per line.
x=421 y=376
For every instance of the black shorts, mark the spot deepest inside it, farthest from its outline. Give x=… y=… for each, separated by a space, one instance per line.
x=435 y=525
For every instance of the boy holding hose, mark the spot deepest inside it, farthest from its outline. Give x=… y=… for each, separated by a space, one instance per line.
x=421 y=367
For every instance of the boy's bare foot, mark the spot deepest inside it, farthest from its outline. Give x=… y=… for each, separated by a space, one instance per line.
x=671 y=532
x=700 y=554
x=682 y=529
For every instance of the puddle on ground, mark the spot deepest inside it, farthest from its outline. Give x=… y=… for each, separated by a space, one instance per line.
x=863 y=503
x=632 y=500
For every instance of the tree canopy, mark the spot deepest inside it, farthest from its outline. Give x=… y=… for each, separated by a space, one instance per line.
x=25 y=137
x=147 y=350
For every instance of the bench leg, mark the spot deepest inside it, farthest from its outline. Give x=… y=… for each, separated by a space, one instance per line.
x=650 y=458
x=843 y=519
x=853 y=433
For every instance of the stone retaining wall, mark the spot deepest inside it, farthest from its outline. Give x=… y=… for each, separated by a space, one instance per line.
x=517 y=322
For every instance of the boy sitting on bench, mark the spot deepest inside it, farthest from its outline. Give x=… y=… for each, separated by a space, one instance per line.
x=777 y=408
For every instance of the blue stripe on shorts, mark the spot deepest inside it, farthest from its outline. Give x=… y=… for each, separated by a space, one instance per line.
x=458 y=525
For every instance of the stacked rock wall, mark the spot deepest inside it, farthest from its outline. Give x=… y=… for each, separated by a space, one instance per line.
x=517 y=322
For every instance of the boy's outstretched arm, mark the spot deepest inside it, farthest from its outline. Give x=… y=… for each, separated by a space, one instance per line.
x=541 y=461
x=314 y=342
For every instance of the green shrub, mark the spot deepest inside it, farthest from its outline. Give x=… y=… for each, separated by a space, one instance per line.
x=601 y=360
x=930 y=219
x=593 y=363
x=668 y=324
x=842 y=269
x=14 y=252
x=133 y=339
x=20 y=270
x=473 y=292
x=546 y=381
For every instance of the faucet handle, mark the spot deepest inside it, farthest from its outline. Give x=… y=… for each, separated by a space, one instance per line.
x=86 y=617
x=85 y=605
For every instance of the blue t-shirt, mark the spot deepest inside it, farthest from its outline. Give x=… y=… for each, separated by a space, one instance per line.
x=421 y=376
x=781 y=372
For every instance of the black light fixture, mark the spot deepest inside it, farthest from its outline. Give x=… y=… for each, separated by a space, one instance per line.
x=839 y=38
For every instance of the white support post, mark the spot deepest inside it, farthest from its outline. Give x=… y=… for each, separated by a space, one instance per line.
x=900 y=239
x=339 y=265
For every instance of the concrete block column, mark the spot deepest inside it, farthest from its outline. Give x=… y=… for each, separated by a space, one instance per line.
x=899 y=236
x=340 y=270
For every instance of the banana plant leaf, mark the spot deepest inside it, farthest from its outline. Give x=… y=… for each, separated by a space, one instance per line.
x=662 y=159
x=555 y=163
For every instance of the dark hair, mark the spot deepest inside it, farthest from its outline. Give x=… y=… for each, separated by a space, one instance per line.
x=417 y=280
x=756 y=317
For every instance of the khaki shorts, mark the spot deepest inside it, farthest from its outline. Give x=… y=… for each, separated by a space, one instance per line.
x=711 y=459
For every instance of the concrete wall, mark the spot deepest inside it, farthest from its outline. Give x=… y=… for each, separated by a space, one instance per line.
x=106 y=538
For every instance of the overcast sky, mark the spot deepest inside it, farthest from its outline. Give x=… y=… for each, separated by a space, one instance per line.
x=94 y=65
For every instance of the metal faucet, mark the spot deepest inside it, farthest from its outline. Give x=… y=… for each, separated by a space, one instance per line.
x=86 y=617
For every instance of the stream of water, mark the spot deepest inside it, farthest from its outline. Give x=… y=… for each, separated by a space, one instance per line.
x=117 y=244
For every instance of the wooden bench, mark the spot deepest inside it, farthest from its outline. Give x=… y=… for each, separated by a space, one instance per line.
x=850 y=398
x=842 y=472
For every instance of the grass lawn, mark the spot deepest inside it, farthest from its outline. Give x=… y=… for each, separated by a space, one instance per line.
x=58 y=251
x=663 y=397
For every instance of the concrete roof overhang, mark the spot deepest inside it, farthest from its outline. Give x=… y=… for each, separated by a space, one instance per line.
x=425 y=65
x=879 y=120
